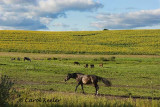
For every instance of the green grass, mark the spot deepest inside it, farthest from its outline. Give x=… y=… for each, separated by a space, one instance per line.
x=130 y=76
x=44 y=99
x=139 y=76
x=134 y=75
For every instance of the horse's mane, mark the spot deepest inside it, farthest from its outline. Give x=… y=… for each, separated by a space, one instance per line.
x=74 y=75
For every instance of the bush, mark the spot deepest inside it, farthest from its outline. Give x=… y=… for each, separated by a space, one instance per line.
x=105 y=29
x=104 y=59
x=49 y=58
x=5 y=86
x=55 y=58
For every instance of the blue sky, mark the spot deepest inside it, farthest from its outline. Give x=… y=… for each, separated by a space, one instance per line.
x=79 y=15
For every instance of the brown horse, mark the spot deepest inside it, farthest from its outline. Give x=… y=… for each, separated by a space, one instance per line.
x=27 y=58
x=92 y=65
x=101 y=65
x=76 y=63
x=86 y=66
x=87 y=79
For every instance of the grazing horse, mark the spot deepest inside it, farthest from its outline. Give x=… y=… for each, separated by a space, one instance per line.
x=26 y=58
x=92 y=65
x=87 y=79
x=18 y=58
x=76 y=63
x=101 y=65
x=13 y=59
x=86 y=66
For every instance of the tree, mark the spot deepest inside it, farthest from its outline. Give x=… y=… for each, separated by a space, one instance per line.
x=105 y=29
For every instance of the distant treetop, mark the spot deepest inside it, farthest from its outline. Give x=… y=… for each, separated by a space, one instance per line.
x=105 y=29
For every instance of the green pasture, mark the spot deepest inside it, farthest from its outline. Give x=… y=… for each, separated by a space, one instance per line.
x=44 y=78
x=129 y=76
x=130 y=61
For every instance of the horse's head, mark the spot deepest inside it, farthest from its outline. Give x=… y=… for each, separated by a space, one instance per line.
x=68 y=77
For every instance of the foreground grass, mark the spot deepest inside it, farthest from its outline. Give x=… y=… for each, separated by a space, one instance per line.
x=30 y=98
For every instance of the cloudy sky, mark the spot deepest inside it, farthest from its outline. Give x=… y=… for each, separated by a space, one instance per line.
x=77 y=15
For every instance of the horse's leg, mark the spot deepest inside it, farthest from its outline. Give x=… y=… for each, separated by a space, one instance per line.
x=82 y=87
x=77 y=86
x=97 y=87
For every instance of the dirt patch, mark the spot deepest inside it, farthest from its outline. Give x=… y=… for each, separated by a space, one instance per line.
x=108 y=96
x=39 y=56
x=101 y=85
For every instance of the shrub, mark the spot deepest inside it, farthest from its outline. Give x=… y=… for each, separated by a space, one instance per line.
x=105 y=29
x=55 y=58
x=103 y=59
x=5 y=86
x=49 y=58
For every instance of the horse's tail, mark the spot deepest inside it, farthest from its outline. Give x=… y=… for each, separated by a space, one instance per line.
x=105 y=81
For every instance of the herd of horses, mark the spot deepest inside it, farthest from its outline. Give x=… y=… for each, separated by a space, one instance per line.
x=75 y=63
x=82 y=78
x=25 y=58
x=87 y=65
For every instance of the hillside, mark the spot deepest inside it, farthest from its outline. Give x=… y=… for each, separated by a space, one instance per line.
x=120 y=42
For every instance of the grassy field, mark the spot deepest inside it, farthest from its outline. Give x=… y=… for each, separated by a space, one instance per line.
x=131 y=76
x=131 y=60
x=119 y=42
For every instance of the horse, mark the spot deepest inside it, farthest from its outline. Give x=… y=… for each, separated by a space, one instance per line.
x=86 y=66
x=13 y=59
x=87 y=79
x=92 y=65
x=26 y=58
x=101 y=65
x=18 y=58
x=76 y=63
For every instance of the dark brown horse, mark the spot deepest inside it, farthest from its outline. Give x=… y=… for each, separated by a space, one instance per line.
x=86 y=66
x=76 y=63
x=87 y=79
x=92 y=65
x=27 y=58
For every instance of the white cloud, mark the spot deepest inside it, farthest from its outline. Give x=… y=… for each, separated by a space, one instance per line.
x=16 y=1
x=45 y=20
x=4 y=28
x=64 y=5
x=129 y=20
x=60 y=25
x=36 y=14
